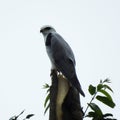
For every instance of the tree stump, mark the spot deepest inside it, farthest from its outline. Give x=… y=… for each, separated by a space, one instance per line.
x=71 y=107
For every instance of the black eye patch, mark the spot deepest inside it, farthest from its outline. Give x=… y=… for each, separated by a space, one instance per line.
x=47 y=28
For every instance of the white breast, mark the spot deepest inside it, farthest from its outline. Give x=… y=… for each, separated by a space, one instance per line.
x=49 y=52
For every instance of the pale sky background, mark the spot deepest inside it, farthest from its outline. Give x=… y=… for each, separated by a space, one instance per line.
x=92 y=29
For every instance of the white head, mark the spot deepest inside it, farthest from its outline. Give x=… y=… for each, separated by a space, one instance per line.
x=47 y=29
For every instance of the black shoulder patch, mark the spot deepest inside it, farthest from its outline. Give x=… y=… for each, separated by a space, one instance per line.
x=48 y=39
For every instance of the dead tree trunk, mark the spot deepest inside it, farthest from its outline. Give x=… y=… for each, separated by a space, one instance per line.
x=71 y=106
x=53 y=96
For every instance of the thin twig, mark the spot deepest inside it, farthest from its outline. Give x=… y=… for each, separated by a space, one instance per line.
x=90 y=103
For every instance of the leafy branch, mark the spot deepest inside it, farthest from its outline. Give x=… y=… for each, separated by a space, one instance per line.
x=96 y=113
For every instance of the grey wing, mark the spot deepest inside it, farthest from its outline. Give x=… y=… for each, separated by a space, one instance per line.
x=63 y=56
x=64 y=60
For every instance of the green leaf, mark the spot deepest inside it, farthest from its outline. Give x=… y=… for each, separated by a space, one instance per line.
x=46 y=86
x=106 y=101
x=107 y=81
x=29 y=116
x=47 y=108
x=48 y=90
x=99 y=87
x=106 y=94
x=46 y=100
x=90 y=114
x=108 y=87
x=92 y=89
x=96 y=109
x=101 y=81
x=107 y=115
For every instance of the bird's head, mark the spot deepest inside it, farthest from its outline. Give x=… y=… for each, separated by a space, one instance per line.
x=46 y=29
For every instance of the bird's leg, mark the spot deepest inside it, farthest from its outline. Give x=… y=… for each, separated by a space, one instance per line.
x=55 y=71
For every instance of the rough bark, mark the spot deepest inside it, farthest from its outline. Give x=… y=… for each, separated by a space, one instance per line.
x=71 y=106
x=53 y=96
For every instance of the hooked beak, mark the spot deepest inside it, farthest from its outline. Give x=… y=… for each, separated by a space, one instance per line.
x=41 y=30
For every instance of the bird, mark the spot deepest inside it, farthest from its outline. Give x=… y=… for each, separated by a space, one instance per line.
x=61 y=56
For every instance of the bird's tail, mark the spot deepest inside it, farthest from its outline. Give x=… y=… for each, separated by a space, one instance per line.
x=77 y=85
